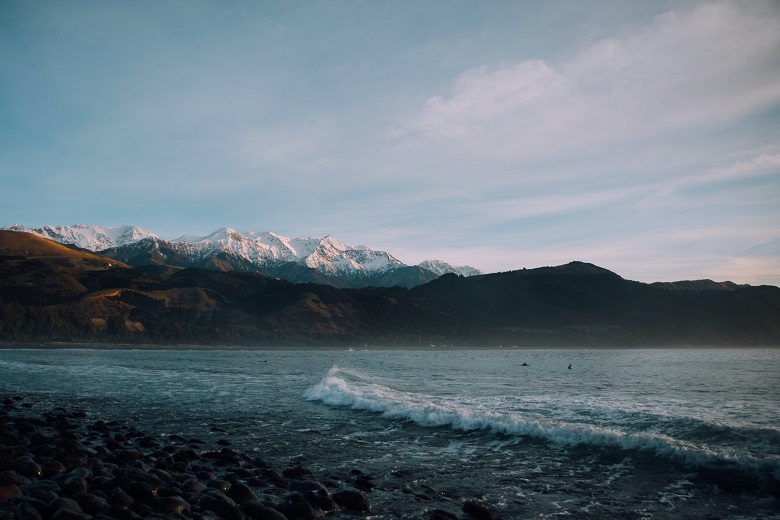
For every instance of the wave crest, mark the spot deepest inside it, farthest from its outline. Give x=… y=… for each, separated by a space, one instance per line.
x=348 y=389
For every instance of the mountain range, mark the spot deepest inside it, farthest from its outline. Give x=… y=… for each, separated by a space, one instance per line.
x=327 y=260
x=51 y=292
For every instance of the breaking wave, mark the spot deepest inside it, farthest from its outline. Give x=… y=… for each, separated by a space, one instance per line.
x=345 y=388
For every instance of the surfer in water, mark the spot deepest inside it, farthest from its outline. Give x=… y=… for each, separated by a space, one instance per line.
x=524 y=364
x=569 y=366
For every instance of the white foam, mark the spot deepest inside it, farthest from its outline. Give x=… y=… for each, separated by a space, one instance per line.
x=349 y=389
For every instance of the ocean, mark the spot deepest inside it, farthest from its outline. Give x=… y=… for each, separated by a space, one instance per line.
x=563 y=433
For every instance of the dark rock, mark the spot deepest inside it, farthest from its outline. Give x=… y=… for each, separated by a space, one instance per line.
x=119 y=497
x=218 y=502
x=12 y=477
x=52 y=468
x=127 y=456
x=300 y=511
x=253 y=510
x=27 y=467
x=205 y=475
x=99 y=426
x=82 y=472
x=142 y=510
x=297 y=472
x=75 y=484
x=27 y=511
x=193 y=486
x=274 y=477
x=308 y=485
x=65 y=503
x=148 y=442
x=477 y=510
x=9 y=490
x=140 y=490
x=170 y=491
x=440 y=514
x=352 y=499
x=43 y=494
x=122 y=513
x=39 y=505
x=363 y=484
x=67 y=514
x=241 y=493
x=91 y=503
x=169 y=505
x=325 y=503
x=222 y=485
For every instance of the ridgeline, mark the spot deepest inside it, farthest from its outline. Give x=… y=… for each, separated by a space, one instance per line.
x=53 y=293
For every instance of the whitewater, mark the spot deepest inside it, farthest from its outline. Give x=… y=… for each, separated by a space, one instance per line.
x=623 y=433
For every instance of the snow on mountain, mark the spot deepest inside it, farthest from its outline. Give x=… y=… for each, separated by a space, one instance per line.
x=440 y=268
x=328 y=255
x=93 y=238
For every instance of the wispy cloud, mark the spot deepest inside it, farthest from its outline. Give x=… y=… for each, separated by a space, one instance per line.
x=689 y=68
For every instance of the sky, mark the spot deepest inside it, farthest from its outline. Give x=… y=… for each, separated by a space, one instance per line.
x=643 y=137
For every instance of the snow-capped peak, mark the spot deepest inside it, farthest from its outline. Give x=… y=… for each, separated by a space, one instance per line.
x=93 y=238
x=328 y=254
x=440 y=268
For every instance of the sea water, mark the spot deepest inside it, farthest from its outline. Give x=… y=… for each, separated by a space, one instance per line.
x=623 y=433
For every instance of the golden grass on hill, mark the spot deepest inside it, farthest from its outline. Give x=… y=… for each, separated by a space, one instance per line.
x=15 y=243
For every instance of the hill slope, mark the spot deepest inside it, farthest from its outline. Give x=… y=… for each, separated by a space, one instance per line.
x=50 y=292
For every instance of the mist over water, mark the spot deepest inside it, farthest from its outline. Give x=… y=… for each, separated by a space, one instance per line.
x=623 y=433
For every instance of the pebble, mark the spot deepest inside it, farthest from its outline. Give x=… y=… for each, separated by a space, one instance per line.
x=60 y=465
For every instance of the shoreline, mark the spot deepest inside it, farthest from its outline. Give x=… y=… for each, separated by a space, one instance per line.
x=61 y=464
x=63 y=345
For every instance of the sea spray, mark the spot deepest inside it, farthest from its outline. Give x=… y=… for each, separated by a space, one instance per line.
x=345 y=388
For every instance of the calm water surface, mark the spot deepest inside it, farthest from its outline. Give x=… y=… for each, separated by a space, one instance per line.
x=622 y=434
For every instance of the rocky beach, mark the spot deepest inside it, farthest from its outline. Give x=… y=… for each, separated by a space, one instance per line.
x=61 y=464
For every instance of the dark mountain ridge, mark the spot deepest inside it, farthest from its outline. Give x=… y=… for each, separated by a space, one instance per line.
x=52 y=293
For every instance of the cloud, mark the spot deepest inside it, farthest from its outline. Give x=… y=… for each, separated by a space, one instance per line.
x=716 y=62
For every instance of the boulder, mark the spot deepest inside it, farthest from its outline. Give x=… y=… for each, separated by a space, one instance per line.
x=352 y=499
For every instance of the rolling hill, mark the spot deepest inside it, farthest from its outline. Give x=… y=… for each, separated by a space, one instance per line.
x=49 y=292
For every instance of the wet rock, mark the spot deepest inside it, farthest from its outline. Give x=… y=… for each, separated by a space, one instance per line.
x=325 y=503
x=193 y=486
x=364 y=484
x=142 y=510
x=65 y=503
x=52 y=468
x=91 y=503
x=241 y=493
x=477 y=510
x=308 y=485
x=296 y=472
x=169 y=505
x=75 y=484
x=122 y=513
x=141 y=490
x=352 y=499
x=43 y=494
x=440 y=514
x=67 y=514
x=9 y=490
x=127 y=456
x=26 y=511
x=218 y=502
x=27 y=467
x=222 y=485
x=170 y=491
x=119 y=497
x=300 y=511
